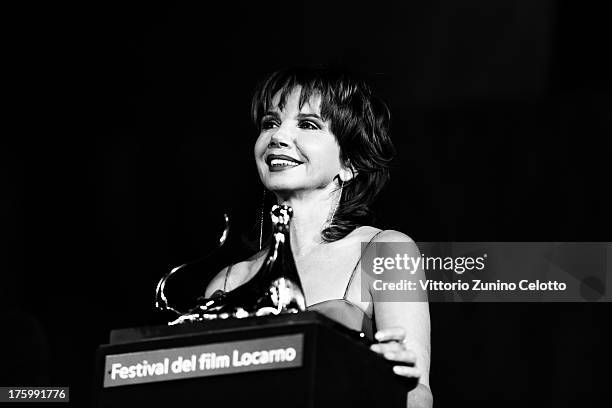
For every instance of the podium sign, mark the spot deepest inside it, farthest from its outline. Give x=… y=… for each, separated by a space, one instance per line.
x=203 y=360
x=296 y=360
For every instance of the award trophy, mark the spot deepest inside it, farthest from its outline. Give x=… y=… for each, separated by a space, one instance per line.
x=275 y=288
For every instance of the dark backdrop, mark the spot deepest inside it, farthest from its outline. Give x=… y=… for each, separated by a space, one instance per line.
x=130 y=136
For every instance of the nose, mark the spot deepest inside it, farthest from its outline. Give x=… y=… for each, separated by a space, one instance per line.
x=279 y=139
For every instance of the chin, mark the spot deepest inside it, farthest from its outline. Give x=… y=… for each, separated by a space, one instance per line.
x=278 y=187
x=282 y=181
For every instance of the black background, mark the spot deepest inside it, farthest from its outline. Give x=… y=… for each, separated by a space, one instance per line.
x=128 y=135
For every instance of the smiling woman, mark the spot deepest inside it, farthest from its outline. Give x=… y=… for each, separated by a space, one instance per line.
x=296 y=150
x=324 y=149
x=342 y=112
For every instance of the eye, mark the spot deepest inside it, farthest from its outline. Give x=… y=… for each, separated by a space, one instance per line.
x=268 y=123
x=308 y=124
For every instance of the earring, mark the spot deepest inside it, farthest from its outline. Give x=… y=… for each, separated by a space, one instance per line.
x=330 y=220
x=261 y=217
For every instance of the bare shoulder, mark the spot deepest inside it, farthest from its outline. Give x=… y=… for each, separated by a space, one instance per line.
x=371 y=234
x=364 y=233
x=392 y=236
x=396 y=237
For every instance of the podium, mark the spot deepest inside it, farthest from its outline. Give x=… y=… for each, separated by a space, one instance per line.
x=291 y=360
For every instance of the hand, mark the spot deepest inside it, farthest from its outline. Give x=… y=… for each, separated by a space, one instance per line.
x=391 y=346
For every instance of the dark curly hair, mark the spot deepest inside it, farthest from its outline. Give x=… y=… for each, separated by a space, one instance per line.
x=360 y=122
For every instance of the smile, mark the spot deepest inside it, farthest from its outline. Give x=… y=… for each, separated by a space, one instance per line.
x=281 y=162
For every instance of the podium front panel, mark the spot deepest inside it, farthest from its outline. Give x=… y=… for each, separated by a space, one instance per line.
x=298 y=360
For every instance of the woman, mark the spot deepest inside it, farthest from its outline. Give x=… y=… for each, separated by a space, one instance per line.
x=324 y=149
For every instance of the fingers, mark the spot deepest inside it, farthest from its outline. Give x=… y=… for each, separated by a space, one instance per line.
x=391 y=334
x=404 y=356
x=395 y=351
x=387 y=347
x=391 y=346
x=411 y=372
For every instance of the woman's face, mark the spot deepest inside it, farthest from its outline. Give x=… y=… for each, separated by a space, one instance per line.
x=296 y=150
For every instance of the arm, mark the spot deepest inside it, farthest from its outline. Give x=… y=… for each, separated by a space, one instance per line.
x=404 y=327
x=421 y=396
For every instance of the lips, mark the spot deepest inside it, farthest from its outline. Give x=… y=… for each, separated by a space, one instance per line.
x=281 y=161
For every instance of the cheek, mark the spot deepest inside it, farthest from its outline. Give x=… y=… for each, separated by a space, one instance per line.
x=260 y=147
x=327 y=155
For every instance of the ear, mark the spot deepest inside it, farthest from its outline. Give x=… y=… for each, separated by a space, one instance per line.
x=347 y=172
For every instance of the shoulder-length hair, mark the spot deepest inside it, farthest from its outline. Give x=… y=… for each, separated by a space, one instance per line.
x=359 y=121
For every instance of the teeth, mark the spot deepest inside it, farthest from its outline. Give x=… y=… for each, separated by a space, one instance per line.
x=281 y=162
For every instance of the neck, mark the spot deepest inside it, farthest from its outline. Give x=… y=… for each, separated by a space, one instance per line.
x=311 y=212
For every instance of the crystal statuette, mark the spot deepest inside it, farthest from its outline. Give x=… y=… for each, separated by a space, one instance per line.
x=276 y=288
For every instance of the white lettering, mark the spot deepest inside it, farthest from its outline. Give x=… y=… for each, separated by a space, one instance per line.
x=115 y=370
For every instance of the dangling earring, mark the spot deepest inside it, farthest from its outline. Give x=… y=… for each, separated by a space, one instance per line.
x=261 y=218
x=330 y=220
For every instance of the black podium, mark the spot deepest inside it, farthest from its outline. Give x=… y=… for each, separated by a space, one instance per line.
x=292 y=360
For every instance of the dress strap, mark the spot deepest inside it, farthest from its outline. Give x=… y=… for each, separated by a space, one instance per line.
x=357 y=264
x=229 y=268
